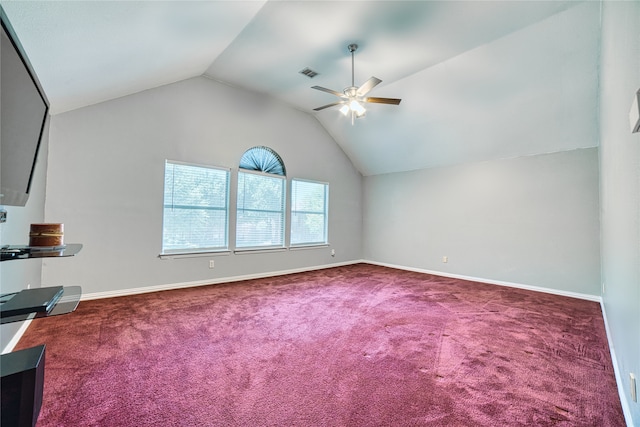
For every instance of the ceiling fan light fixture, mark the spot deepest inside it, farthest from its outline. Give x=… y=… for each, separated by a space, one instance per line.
x=345 y=109
x=355 y=106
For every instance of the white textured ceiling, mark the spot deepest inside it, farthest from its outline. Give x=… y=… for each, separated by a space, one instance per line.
x=478 y=80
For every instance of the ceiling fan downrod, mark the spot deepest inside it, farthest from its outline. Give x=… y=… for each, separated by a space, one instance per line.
x=352 y=48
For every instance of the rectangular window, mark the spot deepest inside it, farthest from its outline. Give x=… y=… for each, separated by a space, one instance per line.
x=196 y=208
x=261 y=204
x=309 y=207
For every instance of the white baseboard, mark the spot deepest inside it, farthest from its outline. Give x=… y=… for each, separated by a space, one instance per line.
x=626 y=409
x=595 y=298
x=14 y=341
x=169 y=286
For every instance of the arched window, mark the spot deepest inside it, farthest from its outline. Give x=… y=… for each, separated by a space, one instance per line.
x=263 y=159
x=261 y=200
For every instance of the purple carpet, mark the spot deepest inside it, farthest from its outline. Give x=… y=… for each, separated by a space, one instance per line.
x=359 y=345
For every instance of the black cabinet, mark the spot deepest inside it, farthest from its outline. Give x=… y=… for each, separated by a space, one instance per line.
x=21 y=386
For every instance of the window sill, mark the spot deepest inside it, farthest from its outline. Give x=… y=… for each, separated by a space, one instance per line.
x=311 y=246
x=246 y=251
x=243 y=251
x=177 y=255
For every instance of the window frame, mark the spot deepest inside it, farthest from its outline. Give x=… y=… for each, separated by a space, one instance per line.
x=325 y=214
x=168 y=253
x=283 y=212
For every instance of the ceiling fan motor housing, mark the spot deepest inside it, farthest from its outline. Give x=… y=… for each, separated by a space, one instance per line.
x=351 y=91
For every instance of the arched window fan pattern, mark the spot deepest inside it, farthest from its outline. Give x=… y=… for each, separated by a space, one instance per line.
x=263 y=159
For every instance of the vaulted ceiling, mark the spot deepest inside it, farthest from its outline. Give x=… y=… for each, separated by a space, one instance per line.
x=479 y=80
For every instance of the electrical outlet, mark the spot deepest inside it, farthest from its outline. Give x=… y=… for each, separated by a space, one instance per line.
x=632 y=386
x=603 y=287
x=445 y=259
x=212 y=264
x=333 y=252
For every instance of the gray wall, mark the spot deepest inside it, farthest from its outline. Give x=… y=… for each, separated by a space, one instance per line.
x=530 y=220
x=17 y=274
x=620 y=188
x=106 y=175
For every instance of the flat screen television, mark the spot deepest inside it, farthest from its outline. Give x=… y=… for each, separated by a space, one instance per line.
x=24 y=110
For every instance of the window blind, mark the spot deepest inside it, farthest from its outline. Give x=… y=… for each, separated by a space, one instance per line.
x=260 y=210
x=309 y=203
x=195 y=208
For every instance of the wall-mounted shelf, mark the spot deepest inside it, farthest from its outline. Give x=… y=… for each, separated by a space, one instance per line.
x=63 y=304
x=9 y=253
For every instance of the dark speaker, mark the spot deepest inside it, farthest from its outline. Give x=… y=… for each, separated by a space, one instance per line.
x=21 y=386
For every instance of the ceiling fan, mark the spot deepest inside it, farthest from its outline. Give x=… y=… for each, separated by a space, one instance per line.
x=353 y=97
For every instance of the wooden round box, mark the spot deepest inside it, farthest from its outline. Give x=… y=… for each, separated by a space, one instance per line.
x=46 y=235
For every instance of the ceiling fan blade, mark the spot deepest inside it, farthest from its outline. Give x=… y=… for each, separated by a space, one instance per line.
x=374 y=100
x=368 y=85
x=328 y=105
x=331 y=91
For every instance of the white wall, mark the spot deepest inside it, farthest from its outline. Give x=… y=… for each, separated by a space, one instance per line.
x=620 y=188
x=529 y=221
x=106 y=177
x=15 y=275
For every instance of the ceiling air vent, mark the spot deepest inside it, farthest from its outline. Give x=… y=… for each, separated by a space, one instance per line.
x=309 y=72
